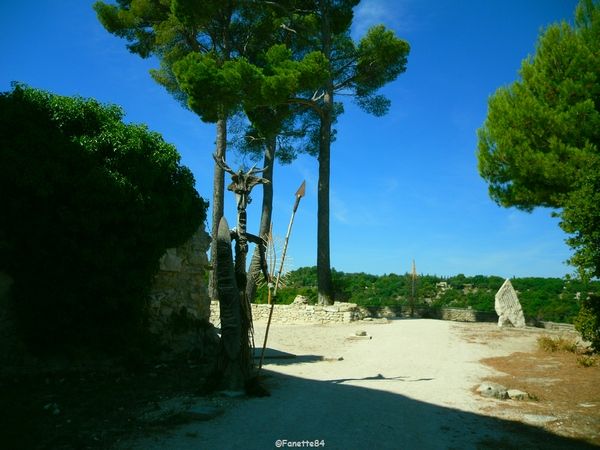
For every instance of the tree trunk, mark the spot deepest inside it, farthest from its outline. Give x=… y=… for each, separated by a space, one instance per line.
x=255 y=273
x=324 y=283
x=217 y=204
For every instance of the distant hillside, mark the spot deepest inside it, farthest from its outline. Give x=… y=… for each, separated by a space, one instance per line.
x=549 y=299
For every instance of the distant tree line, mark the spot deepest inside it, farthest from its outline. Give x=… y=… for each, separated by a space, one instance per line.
x=547 y=299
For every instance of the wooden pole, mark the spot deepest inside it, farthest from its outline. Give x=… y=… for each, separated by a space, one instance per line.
x=299 y=194
x=412 y=297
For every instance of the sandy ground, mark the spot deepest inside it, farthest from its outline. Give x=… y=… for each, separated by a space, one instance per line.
x=410 y=386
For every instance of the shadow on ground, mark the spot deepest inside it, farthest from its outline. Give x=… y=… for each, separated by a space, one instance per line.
x=281 y=358
x=350 y=417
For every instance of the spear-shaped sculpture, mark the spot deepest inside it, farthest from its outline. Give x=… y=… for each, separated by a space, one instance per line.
x=273 y=289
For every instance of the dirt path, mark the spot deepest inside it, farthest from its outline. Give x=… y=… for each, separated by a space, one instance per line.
x=408 y=387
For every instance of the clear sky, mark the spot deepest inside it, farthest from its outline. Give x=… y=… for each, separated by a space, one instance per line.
x=403 y=187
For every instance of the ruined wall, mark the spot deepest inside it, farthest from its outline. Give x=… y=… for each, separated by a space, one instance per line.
x=11 y=348
x=179 y=302
x=181 y=281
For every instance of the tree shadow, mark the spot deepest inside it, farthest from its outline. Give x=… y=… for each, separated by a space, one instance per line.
x=382 y=378
x=280 y=358
x=345 y=417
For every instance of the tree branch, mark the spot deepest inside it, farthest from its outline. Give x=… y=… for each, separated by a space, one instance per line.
x=308 y=103
x=315 y=97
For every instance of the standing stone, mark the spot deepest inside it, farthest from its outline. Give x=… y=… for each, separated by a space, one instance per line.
x=508 y=307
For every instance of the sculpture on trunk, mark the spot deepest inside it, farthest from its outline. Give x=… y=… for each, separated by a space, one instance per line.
x=235 y=362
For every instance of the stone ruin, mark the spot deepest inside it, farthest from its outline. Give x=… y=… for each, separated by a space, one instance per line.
x=179 y=305
x=508 y=307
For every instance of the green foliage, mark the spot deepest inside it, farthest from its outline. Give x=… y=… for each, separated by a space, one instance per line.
x=542 y=130
x=212 y=88
x=381 y=57
x=89 y=206
x=286 y=295
x=587 y=360
x=540 y=143
x=547 y=299
x=581 y=219
x=588 y=320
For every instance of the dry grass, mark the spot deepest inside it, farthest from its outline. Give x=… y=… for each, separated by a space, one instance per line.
x=569 y=345
x=587 y=360
x=557 y=344
x=564 y=387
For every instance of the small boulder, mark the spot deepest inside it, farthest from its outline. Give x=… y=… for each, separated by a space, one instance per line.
x=203 y=413
x=300 y=300
x=538 y=419
x=492 y=390
x=515 y=394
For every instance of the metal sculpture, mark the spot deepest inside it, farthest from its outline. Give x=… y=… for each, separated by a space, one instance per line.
x=235 y=363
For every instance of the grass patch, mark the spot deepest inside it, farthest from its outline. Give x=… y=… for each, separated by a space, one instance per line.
x=587 y=360
x=559 y=344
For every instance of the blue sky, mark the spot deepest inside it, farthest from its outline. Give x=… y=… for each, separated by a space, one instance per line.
x=403 y=187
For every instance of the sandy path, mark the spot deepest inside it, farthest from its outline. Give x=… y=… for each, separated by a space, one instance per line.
x=408 y=387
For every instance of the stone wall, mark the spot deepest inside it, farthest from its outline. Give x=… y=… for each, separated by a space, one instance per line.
x=350 y=312
x=299 y=313
x=179 y=302
x=181 y=281
x=462 y=315
x=11 y=348
x=566 y=327
x=453 y=314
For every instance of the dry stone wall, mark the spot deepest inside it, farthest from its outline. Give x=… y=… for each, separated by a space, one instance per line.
x=179 y=302
x=11 y=348
x=181 y=282
x=179 y=306
x=464 y=315
x=350 y=312
x=299 y=313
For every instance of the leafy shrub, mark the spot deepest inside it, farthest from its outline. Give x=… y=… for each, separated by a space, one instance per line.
x=285 y=295
x=587 y=360
x=588 y=321
x=89 y=204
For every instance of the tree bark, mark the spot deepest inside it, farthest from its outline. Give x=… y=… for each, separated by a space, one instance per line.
x=217 y=204
x=324 y=283
x=265 y=217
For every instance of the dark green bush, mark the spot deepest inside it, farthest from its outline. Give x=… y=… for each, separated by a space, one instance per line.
x=89 y=204
x=588 y=321
x=285 y=295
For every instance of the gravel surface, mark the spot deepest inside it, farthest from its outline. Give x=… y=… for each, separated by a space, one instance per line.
x=407 y=384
